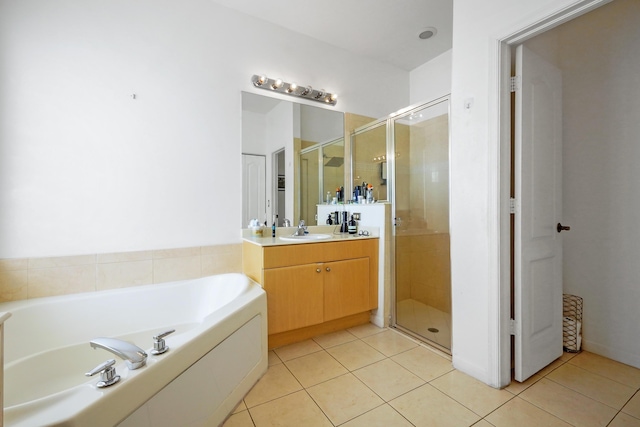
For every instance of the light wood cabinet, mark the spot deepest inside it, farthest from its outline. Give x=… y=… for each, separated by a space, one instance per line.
x=294 y=297
x=314 y=288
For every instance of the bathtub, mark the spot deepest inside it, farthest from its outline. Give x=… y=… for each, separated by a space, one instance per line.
x=217 y=353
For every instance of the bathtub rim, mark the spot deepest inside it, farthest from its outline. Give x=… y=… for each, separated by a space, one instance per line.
x=153 y=378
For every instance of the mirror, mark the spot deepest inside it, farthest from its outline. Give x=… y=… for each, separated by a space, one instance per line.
x=369 y=153
x=302 y=150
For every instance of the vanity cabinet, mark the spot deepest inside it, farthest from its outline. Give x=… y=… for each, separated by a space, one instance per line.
x=314 y=288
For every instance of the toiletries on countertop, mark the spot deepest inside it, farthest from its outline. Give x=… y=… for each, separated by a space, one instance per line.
x=353 y=226
x=329 y=220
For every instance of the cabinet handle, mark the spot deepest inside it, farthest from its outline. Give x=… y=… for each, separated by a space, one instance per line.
x=318 y=270
x=328 y=269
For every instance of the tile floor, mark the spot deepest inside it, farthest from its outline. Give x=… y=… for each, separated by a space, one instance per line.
x=419 y=317
x=366 y=376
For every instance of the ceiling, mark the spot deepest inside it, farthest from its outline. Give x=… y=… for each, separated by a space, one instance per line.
x=383 y=30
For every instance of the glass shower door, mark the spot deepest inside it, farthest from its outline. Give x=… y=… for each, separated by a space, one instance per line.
x=421 y=232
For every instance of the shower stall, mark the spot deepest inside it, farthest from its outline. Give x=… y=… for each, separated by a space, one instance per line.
x=406 y=157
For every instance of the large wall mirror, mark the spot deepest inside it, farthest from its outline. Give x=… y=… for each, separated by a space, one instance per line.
x=292 y=155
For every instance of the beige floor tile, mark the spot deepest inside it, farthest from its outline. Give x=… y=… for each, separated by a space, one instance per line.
x=382 y=416
x=315 y=368
x=390 y=343
x=277 y=382
x=567 y=356
x=388 y=379
x=427 y=406
x=355 y=354
x=273 y=358
x=624 y=420
x=483 y=423
x=294 y=410
x=240 y=419
x=335 y=338
x=298 y=349
x=550 y=367
x=567 y=404
x=473 y=394
x=611 y=369
x=240 y=407
x=518 y=387
x=365 y=330
x=424 y=363
x=597 y=387
x=344 y=398
x=520 y=413
x=633 y=406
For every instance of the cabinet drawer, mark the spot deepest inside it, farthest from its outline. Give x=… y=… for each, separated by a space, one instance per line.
x=286 y=255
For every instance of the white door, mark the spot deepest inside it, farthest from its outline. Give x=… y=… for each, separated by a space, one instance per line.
x=253 y=188
x=538 y=193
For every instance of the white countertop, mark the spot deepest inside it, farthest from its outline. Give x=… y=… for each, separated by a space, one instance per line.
x=333 y=230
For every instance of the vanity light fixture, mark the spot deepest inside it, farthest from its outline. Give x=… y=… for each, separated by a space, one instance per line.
x=277 y=85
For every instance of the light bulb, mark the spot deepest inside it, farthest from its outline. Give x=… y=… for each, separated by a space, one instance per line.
x=277 y=84
x=292 y=88
x=260 y=80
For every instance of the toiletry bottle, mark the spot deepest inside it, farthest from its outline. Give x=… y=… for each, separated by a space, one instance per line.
x=344 y=226
x=353 y=226
x=329 y=220
x=328 y=197
x=273 y=227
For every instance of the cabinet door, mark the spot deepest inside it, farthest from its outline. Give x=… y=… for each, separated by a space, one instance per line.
x=294 y=297
x=346 y=287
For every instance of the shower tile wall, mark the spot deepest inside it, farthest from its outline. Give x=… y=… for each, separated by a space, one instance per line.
x=424 y=273
x=40 y=277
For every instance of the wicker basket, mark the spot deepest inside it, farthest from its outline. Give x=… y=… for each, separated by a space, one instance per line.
x=571 y=323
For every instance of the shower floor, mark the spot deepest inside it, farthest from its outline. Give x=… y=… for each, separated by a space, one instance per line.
x=419 y=318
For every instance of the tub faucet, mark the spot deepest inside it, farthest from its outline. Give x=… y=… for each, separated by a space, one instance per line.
x=130 y=353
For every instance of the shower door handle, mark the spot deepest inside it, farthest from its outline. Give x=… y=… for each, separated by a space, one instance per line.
x=562 y=228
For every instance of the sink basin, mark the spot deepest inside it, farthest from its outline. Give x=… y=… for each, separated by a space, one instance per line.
x=305 y=238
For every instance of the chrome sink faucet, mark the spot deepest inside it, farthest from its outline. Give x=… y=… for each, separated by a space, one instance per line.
x=301 y=229
x=130 y=353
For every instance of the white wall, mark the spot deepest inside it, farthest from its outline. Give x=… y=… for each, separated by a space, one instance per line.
x=431 y=80
x=480 y=335
x=600 y=59
x=85 y=168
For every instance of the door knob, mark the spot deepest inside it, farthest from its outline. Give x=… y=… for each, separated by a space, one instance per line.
x=328 y=269
x=318 y=270
x=561 y=227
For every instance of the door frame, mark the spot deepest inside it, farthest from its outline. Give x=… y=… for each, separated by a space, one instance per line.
x=500 y=128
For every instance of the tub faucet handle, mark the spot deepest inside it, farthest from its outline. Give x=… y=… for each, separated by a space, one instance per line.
x=159 y=345
x=107 y=373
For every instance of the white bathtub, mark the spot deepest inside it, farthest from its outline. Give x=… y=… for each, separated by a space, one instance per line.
x=218 y=352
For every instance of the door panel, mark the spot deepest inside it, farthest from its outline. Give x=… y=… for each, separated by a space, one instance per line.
x=253 y=188
x=538 y=188
x=294 y=297
x=346 y=288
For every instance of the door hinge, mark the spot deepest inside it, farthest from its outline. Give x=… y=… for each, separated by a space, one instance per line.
x=512 y=205
x=514 y=83
x=512 y=327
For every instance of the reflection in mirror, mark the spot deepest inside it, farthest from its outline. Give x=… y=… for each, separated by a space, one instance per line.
x=309 y=183
x=271 y=127
x=333 y=167
x=369 y=154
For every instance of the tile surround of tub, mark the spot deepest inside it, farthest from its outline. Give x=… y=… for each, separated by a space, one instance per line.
x=41 y=277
